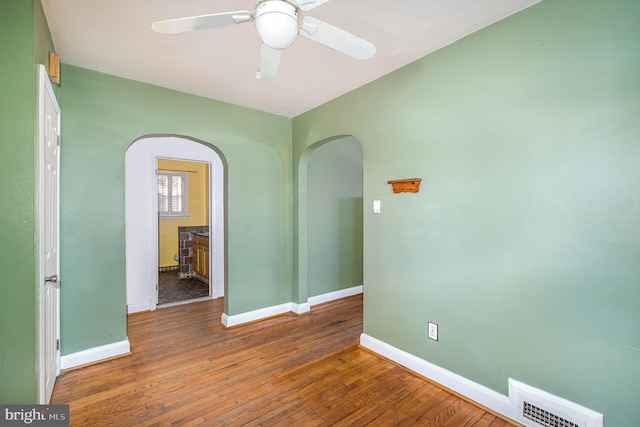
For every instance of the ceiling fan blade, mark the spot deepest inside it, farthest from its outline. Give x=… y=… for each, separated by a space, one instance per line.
x=336 y=38
x=309 y=4
x=269 y=62
x=191 y=23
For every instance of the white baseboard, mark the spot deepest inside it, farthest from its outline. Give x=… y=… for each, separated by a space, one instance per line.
x=143 y=306
x=331 y=296
x=478 y=393
x=298 y=308
x=252 y=316
x=95 y=354
x=218 y=291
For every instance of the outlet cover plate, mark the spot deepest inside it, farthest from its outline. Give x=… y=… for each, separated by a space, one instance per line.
x=432 y=331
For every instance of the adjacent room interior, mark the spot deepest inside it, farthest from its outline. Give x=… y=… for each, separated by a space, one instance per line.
x=183 y=231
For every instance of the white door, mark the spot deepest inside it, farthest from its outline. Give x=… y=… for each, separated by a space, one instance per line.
x=49 y=315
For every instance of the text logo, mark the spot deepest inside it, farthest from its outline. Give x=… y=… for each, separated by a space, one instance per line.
x=34 y=415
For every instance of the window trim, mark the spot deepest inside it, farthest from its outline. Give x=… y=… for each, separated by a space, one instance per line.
x=184 y=213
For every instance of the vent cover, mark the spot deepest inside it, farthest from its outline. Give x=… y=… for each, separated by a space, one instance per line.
x=537 y=408
x=545 y=418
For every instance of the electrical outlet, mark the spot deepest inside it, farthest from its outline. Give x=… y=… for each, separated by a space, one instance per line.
x=432 y=331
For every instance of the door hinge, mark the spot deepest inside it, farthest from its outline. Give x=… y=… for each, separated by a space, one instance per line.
x=57 y=344
x=58 y=140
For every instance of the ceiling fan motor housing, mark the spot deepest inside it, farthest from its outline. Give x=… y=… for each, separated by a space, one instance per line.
x=277 y=23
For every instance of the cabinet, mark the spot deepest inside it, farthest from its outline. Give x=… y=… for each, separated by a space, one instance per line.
x=201 y=254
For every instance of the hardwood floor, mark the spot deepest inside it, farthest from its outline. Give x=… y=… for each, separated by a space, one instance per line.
x=187 y=369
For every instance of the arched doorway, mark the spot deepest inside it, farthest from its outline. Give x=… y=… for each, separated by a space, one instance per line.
x=142 y=219
x=329 y=211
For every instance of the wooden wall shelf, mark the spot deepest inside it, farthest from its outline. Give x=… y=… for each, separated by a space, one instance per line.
x=54 y=68
x=407 y=185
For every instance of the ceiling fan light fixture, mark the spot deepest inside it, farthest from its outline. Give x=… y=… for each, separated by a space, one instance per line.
x=277 y=23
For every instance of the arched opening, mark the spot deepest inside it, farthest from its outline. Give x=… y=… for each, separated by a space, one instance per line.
x=330 y=193
x=142 y=214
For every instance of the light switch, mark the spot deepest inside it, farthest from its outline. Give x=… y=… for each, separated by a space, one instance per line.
x=376 y=206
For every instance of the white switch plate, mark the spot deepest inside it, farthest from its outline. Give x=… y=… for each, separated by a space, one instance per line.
x=432 y=331
x=376 y=206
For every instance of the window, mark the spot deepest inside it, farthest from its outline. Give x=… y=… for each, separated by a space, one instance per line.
x=172 y=194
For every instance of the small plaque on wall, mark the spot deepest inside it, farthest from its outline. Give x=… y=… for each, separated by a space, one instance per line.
x=54 y=68
x=407 y=185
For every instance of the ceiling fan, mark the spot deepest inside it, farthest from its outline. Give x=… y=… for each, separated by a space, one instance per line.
x=278 y=23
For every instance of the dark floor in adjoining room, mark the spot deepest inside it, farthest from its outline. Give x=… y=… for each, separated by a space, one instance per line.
x=173 y=289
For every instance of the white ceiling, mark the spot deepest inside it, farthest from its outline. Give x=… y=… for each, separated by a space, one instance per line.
x=114 y=37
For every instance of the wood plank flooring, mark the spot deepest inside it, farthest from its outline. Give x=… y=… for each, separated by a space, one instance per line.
x=188 y=370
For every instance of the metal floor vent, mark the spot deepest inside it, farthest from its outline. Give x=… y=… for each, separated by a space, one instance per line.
x=537 y=408
x=545 y=418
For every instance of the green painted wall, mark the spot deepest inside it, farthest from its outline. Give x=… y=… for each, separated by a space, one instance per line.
x=524 y=240
x=25 y=40
x=42 y=37
x=335 y=216
x=102 y=116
